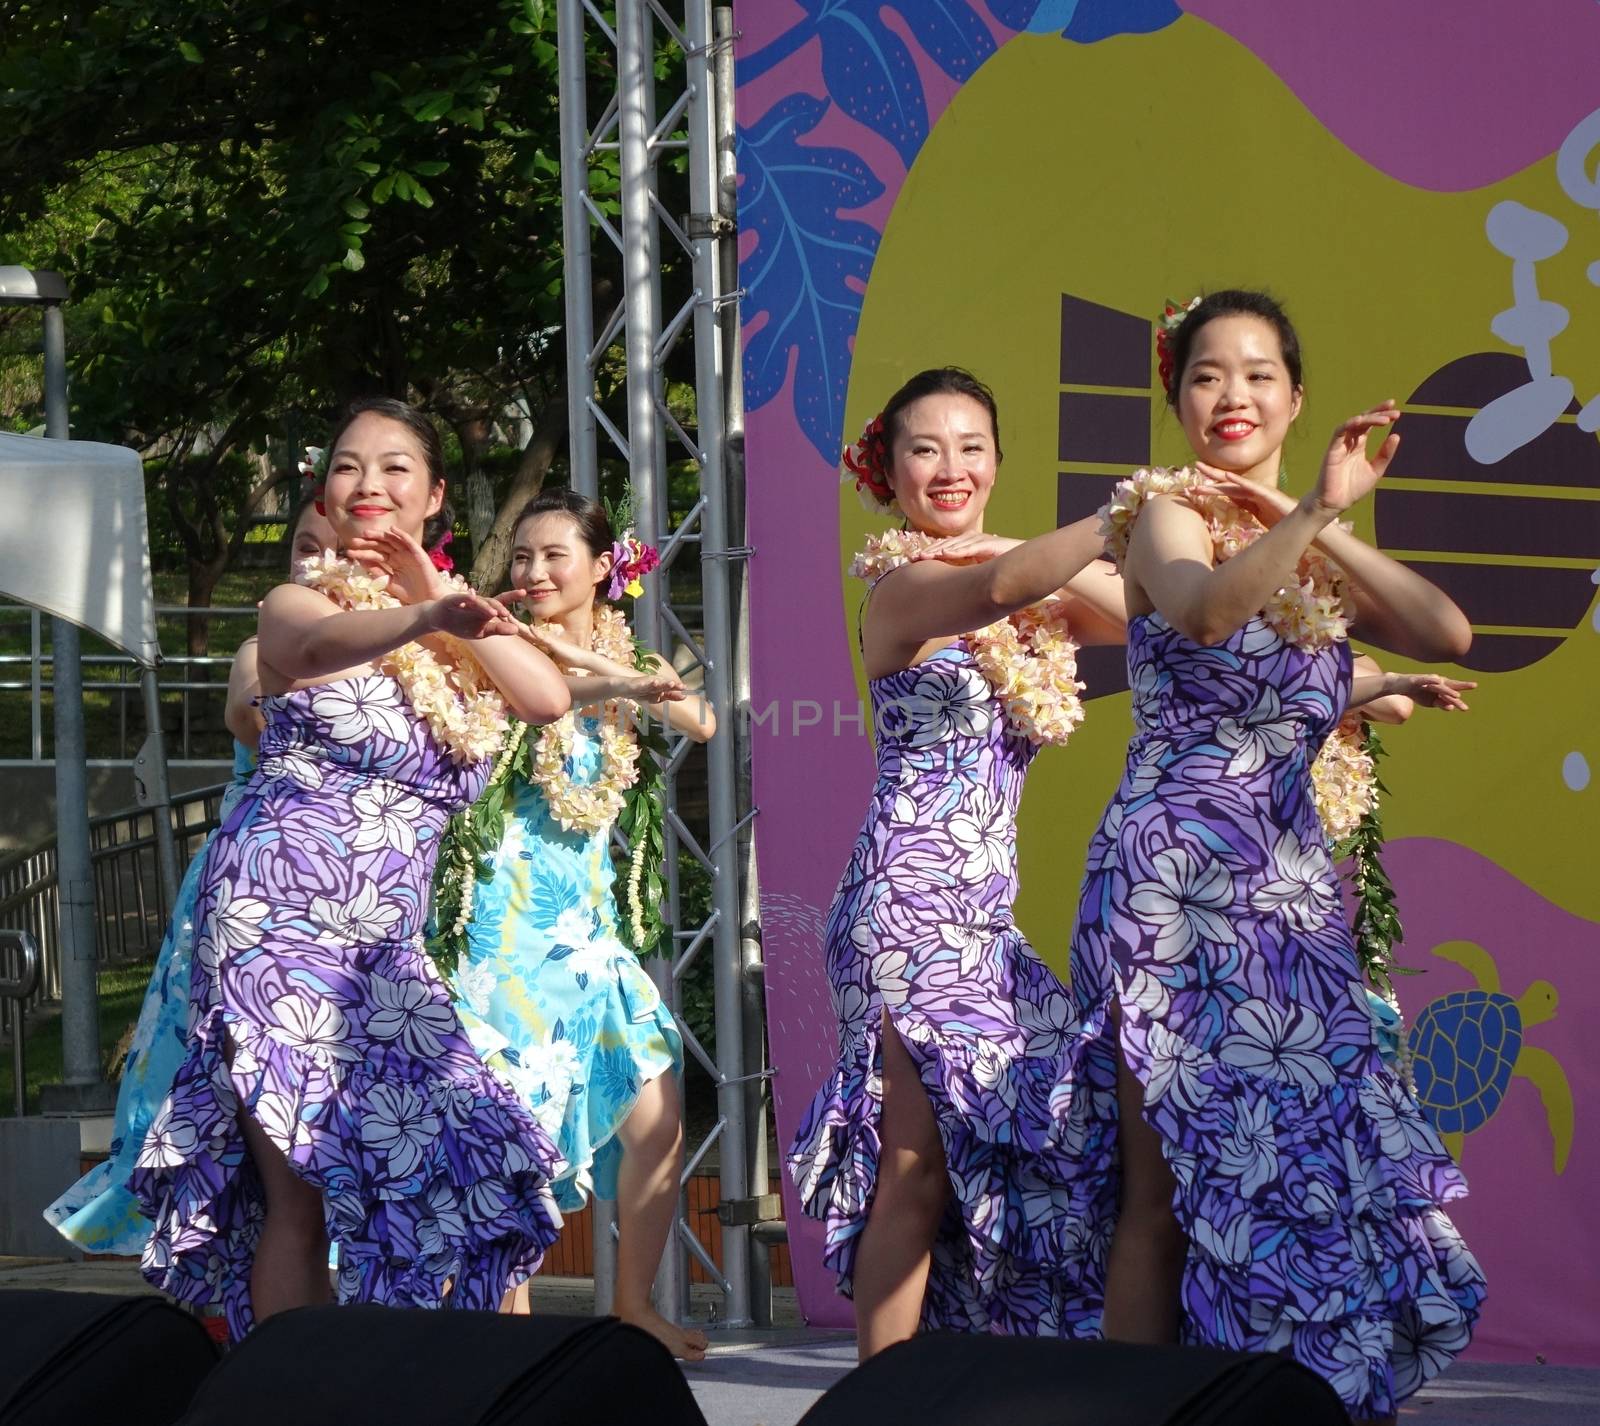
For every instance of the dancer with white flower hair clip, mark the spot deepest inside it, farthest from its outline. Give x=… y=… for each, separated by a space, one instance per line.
x=1263 y=1180
x=543 y=960
x=327 y=1088
x=930 y=1153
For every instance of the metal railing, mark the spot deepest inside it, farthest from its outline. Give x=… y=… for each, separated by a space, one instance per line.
x=130 y=902
x=198 y=731
x=17 y=948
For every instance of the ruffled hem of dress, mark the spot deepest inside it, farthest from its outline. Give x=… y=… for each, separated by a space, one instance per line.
x=590 y=1162
x=473 y=1214
x=1398 y=1291
x=1017 y=1251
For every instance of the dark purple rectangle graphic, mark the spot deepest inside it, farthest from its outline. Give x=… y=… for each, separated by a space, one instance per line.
x=1109 y=430
x=1487 y=524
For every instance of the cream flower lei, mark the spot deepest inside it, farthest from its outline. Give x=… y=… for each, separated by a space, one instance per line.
x=577 y=807
x=463 y=710
x=1311 y=613
x=587 y=807
x=1344 y=779
x=1029 y=659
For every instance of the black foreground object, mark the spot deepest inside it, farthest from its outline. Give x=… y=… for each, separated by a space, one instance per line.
x=951 y=1379
x=347 y=1366
x=82 y=1358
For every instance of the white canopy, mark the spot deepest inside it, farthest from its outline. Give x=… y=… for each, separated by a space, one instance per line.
x=73 y=540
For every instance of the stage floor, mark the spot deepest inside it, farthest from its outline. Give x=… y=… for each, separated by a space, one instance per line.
x=771 y=1378
x=775 y=1384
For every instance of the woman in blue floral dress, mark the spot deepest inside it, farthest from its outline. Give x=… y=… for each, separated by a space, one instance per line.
x=553 y=999
x=328 y=1089
x=98 y=1213
x=1266 y=1181
x=930 y=1153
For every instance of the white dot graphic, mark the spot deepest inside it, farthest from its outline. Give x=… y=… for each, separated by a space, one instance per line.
x=1575 y=771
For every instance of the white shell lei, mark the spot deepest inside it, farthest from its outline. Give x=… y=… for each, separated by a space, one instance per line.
x=1029 y=659
x=1311 y=613
x=463 y=710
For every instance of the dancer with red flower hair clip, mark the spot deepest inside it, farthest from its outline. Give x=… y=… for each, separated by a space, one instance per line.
x=931 y=1153
x=1254 y=1176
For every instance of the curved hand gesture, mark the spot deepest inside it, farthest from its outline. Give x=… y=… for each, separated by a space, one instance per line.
x=972 y=547
x=658 y=687
x=1433 y=690
x=1266 y=502
x=550 y=639
x=1348 y=474
x=412 y=576
x=466 y=615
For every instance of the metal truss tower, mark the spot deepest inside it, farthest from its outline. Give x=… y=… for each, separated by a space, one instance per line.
x=642 y=132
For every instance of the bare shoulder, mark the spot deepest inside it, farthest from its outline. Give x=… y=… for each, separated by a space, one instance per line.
x=1170 y=527
x=296 y=600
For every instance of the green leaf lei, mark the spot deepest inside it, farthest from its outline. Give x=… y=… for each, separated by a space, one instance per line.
x=471 y=838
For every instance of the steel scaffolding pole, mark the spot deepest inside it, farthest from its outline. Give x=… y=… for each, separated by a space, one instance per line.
x=576 y=253
x=80 y=994
x=686 y=122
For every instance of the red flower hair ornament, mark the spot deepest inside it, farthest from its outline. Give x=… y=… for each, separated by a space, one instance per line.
x=1167 y=323
x=867 y=464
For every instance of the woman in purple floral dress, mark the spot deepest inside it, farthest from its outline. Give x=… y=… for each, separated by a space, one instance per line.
x=930 y=1152
x=1265 y=1181
x=328 y=1088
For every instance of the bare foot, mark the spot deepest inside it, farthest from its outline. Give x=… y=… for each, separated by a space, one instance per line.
x=686 y=1343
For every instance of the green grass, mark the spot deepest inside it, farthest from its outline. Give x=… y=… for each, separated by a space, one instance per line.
x=121 y=994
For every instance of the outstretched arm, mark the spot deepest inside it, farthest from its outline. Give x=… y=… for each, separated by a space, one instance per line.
x=1396 y=608
x=1391 y=697
x=930 y=599
x=1097 y=605
x=1170 y=559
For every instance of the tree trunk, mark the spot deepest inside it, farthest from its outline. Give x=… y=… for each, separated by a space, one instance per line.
x=203 y=577
x=493 y=561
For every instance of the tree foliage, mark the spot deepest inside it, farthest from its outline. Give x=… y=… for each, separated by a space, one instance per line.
x=263 y=209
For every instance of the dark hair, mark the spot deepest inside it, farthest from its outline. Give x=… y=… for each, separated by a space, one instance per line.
x=594 y=525
x=439 y=524
x=1234 y=302
x=939 y=381
x=306 y=499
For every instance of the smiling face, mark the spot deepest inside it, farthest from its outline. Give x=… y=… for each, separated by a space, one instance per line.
x=1236 y=398
x=943 y=463
x=378 y=478
x=312 y=535
x=551 y=560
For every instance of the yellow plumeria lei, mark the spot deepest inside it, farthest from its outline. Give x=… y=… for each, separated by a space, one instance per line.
x=1344 y=779
x=1310 y=613
x=463 y=710
x=1030 y=659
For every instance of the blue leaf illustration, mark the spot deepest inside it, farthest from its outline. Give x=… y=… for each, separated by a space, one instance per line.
x=805 y=258
x=868 y=68
x=1085 y=20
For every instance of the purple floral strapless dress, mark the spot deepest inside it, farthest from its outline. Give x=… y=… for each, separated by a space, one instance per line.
x=315 y=1011
x=1308 y=1183
x=921 y=928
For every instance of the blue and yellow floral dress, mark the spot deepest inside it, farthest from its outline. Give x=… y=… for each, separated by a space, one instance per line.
x=551 y=998
x=98 y=1213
